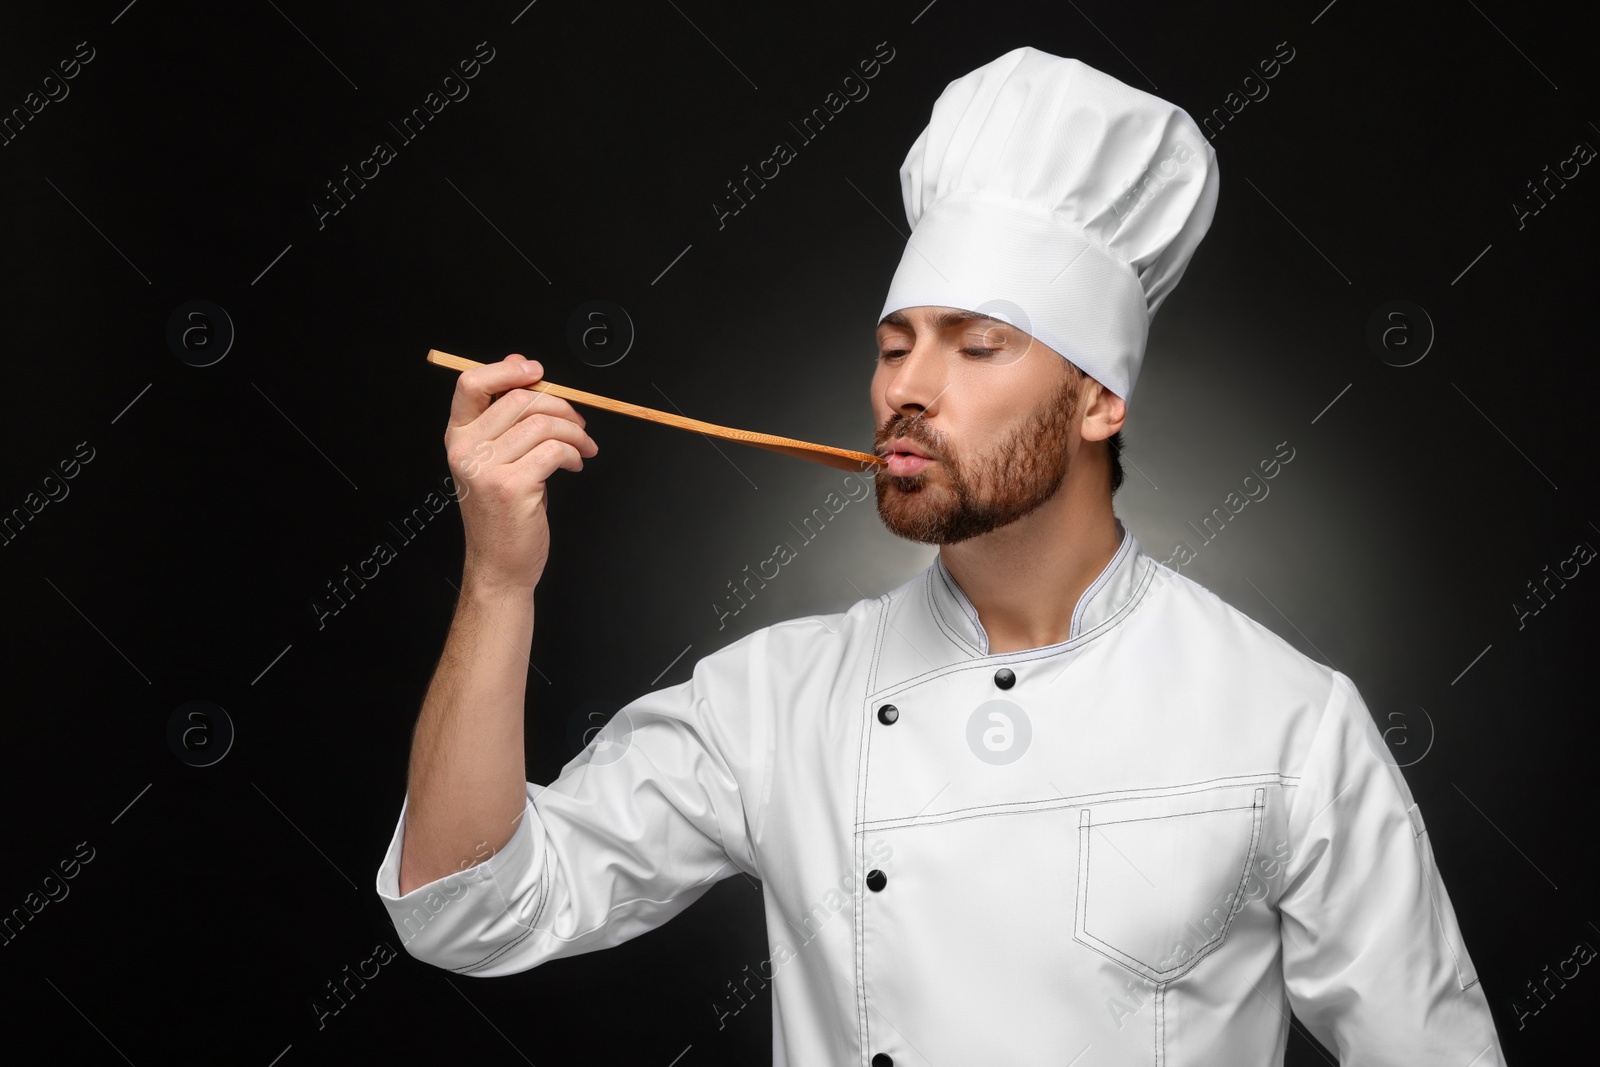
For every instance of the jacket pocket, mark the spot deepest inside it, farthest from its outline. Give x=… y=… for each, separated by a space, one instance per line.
x=1161 y=878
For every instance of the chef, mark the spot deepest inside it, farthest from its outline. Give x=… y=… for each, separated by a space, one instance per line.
x=1047 y=800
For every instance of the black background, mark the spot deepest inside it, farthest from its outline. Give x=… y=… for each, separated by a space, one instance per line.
x=185 y=562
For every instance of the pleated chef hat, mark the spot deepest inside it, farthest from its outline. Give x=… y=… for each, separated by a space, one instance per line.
x=1055 y=198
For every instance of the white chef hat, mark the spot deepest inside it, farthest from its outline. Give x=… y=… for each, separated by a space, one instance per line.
x=1051 y=196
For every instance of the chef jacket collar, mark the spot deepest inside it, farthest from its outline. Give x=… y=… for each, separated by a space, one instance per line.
x=1103 y=604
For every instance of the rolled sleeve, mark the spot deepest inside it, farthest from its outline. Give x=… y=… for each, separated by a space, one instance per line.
x=1373 y=960
x=636 y=827
x=471 y=921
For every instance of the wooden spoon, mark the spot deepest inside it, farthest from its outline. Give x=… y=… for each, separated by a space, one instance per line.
x=838 y=458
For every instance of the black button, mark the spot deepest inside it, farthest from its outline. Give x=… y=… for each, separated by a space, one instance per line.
x=1004 y=678
x=883 y=1059
x=888 y=714
x=876 y=880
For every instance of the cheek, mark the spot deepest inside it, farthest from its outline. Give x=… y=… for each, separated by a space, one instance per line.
x=987 y=410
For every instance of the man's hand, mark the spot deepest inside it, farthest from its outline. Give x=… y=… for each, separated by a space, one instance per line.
x=467 y=778
x=505 y=449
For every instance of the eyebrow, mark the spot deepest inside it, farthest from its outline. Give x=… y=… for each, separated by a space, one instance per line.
x=948 y=317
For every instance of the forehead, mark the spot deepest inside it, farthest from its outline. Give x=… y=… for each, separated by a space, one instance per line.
x=936 y=318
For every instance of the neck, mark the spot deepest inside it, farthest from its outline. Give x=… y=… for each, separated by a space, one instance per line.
x=1025 y=579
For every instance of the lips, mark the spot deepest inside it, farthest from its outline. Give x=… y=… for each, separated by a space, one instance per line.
x=901 y=444
x=904 y=464
x=905 y=458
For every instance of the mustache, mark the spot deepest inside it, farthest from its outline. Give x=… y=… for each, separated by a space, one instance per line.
x=913 y=430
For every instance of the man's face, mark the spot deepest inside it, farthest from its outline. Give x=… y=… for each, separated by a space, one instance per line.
x=995 y=410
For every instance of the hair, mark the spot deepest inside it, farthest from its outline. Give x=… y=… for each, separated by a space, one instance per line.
x=1113 y=443
x=1114 y=453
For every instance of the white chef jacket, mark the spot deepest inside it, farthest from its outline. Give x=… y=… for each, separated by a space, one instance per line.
x=1151 y=840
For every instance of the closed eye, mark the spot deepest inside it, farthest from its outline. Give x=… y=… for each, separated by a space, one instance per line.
x=976 y=353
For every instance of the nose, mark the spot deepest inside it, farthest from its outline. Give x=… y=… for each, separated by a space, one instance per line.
x=917 y=381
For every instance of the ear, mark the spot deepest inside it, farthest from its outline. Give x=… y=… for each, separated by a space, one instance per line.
x=1103 y=412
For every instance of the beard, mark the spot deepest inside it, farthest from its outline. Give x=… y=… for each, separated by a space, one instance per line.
x=958 y=497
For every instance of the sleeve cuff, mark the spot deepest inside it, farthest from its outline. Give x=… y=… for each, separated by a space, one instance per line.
x=474 y=920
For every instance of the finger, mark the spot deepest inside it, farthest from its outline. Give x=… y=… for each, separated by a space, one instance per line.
x=520 y=404
x=544 y=459
x=528 y=434
x=477 y=386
